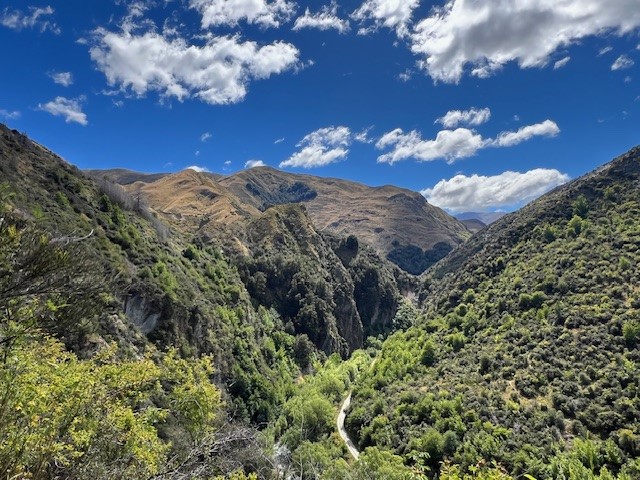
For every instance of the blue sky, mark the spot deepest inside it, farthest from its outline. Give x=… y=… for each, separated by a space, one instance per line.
x=481 y=105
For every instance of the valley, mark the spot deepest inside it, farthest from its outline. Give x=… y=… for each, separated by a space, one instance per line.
x=194 y=325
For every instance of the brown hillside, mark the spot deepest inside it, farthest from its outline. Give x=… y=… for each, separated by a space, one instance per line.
x=390 y=219
x=398 y=223
x=193 y=199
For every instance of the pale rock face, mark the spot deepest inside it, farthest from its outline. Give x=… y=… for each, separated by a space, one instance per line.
x=140 y=312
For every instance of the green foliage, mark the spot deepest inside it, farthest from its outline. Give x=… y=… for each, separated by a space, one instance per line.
x=525 y=355
x=309 y=415
x=94 y=418
x=631 y=332
x=575 y=225
x=60 y=412
x=580 y=206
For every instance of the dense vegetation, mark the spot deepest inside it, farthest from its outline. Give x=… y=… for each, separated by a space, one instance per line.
x=131 y=349
x=416 y=260
x=526 y=353
x=117 y=414
x=181 y=292
x=334 y=292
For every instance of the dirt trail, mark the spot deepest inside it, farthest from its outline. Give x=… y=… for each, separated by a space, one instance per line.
x=341 y=430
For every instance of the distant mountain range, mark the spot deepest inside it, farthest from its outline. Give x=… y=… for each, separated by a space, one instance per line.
x=485 y=217
x=398 y=223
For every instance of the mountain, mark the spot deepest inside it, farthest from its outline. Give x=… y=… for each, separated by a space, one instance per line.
x=485 y=217
x=399 y=224
x=177 y=283
x=123 y=176
x=526 y=350
x=157 y=287
x=474 y=225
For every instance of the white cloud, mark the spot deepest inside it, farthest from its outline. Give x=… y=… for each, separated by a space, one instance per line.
x=205 y=136
x=479 y=193
x=474 y=116
x=487 y=34
x=453 y=145
x=253 y=164
x=9 y=115
x=197 y=154
x=547 y=128
x=604 y=51
x=561 y=63
x=394 y=14
x=35 y=18
x=448 y=144
x=230 y=12
x=217 y=72
x=198 y=169
x=70 y=109
x=326 y=19
x=62 y=78
x=622 y=62
x=279 y=140
x=405 y=76
x=363 y=136
x=320 y=148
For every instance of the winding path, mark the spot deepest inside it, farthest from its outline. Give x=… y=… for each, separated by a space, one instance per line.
x=343 y=433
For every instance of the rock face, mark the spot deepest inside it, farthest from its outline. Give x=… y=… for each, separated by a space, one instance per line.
x=398 y=224
x=334 y=294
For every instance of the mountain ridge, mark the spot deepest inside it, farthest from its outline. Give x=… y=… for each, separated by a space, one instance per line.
x=398 y=223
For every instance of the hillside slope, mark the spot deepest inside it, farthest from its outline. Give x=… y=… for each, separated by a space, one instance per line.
x=526 y=352
x=180 y=281
x=159 y=287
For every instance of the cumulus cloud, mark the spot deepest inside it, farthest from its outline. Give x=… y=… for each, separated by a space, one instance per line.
x=484 y=35
x=622 y=62
x=36 y=17
x=473 y=116
x=254 y=163
x=217 y=72
x=322 y=147
x=231 y=12
x=561 y=63
x=479 y=193
x=198 y=169
x=448 y=144
x=70 y=109
x=453 y=145
x=205 y=136
x=62 y=78
x=393 y=14
x=9 y=115
x=327 y=18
